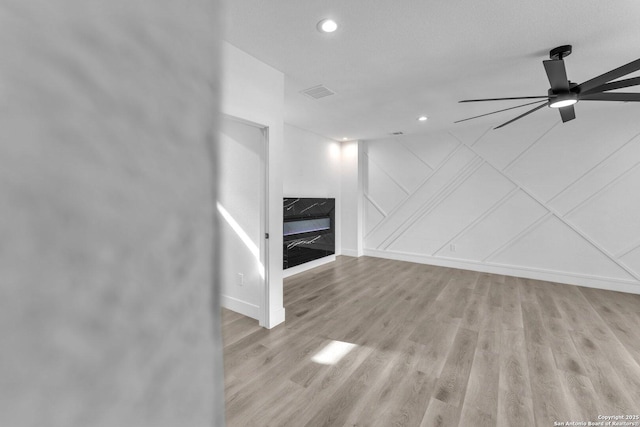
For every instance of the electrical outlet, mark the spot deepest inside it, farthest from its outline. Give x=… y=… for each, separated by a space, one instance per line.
x=452 y=247
x=240 y=279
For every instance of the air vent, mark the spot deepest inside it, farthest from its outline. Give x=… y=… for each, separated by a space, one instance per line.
x=318 y=92
x=397 y=133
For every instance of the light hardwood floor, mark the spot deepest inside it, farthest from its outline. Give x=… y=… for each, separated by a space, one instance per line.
x=434 y=347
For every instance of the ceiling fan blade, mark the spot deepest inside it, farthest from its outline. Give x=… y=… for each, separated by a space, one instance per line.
x=612 y=96
x=619 y=84
x=522 y=115
x=504 y=99
x=499 y=111
x=610 y=75
x=557 y=74
x=567 y=113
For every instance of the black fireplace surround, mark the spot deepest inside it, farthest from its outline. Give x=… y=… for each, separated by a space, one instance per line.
x=308 y=230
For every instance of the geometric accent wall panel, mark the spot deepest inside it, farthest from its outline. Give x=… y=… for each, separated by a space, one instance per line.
x=554 y=246
x=469 y=135
x=372 y=215
x=459 y=209
x=405 y=167
x=599 y=177
x=381 y=188
x=632 y=260
x=539 y=195
x=501 y=148
x=428 y=194
x=560 y=158
x=432 y=149
x=612 y=217
x=508 y=220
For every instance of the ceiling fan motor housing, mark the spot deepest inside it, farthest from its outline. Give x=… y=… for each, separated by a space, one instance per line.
x=558 y=99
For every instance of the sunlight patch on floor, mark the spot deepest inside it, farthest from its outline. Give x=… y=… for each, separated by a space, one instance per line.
x=333 y=352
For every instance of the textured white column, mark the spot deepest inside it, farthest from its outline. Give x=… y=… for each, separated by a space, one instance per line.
x=108 y=303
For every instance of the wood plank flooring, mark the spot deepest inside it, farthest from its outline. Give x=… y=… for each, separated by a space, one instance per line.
x=433 y=347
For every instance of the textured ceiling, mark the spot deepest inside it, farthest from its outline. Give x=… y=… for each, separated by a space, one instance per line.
x=392 y=61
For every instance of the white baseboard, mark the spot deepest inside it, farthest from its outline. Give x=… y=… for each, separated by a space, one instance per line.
x=242 y=307
x=629 y=286
x=308 y=266
x=350 y=252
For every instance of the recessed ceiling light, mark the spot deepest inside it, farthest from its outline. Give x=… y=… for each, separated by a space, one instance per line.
x=327 y=26
x=345 y=139
x=422 y=118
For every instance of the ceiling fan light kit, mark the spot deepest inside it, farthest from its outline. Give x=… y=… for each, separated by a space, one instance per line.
x=563 y=94
x=562 y=99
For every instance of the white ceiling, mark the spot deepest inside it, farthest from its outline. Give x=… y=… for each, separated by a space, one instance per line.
x=392 y=61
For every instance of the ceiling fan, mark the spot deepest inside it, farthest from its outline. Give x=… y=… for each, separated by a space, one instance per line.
x=564 y=93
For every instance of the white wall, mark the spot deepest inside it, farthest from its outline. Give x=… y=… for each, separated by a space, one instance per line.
x=109 y=313
x=351 y=199
x=537 y=199
x=312 y=168
x=253 y=91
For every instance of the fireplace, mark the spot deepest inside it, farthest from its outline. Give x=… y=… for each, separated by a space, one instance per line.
x=308 y=230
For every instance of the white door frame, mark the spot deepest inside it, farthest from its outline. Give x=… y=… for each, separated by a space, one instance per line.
x=264 y=215
x=264 y=227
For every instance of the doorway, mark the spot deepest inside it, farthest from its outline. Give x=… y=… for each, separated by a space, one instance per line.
x=242 y=206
